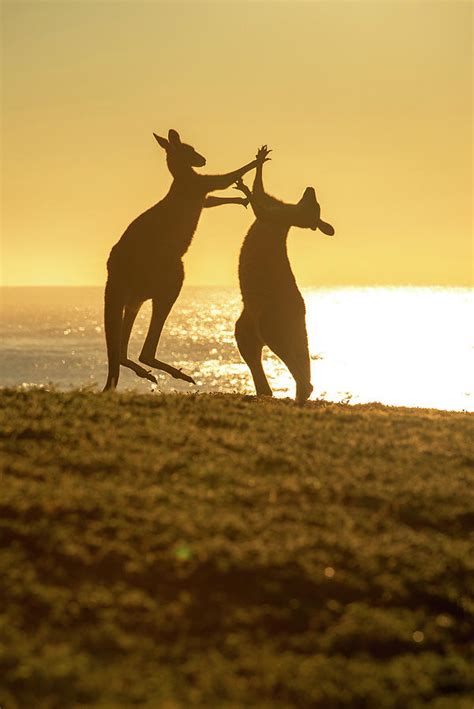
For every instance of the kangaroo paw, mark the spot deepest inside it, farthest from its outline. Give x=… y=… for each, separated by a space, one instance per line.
x=262 y=154
x=240 y=186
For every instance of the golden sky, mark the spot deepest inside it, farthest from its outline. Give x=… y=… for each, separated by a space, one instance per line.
x=369 y=102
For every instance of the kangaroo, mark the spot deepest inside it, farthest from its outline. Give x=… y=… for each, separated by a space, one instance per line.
x=146 y=263
x=273 y=308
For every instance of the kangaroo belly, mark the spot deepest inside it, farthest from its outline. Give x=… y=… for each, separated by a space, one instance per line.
x=141 y=279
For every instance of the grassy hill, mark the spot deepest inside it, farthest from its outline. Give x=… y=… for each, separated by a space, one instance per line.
x=218 y=551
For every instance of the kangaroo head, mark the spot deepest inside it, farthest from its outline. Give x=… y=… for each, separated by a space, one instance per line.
x=308 y=211
x=179 y=155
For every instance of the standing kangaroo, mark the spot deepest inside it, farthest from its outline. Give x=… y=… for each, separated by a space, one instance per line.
x=147 y=260
x=274 y=309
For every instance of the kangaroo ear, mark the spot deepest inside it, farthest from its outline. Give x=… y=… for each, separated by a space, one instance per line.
x=173 y=137
x=162 y=141
x=308 y=195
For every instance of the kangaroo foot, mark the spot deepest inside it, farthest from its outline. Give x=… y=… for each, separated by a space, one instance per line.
x=264 y=392
x=139 y=371
x=175 y=373
x=111 y=384
x=303 y=392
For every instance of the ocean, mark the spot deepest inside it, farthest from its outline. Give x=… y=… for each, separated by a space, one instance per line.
x=397 y=346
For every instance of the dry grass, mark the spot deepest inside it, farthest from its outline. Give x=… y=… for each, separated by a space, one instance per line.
x=170 y=551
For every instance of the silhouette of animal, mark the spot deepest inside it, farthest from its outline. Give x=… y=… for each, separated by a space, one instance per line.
x=146 y=263
x=274 y=309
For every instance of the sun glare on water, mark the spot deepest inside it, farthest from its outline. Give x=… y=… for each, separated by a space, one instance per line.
x=400 y=346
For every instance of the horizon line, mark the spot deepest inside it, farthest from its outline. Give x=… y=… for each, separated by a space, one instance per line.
x=227 y=285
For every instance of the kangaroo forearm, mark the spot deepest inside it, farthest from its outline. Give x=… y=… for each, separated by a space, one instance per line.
x=257 y=207
x=220 y=182
x=217 y=201
x=258 y=181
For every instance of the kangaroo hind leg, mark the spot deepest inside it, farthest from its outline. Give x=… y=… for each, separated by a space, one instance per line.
x=290 y=343
x=113 y=318
x=130 y=314
x=161 y=309
x=250 y=346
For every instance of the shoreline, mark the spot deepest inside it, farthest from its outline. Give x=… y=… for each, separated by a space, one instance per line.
x=95 y=389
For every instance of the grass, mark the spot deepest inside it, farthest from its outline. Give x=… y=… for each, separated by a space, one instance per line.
x=218 y=551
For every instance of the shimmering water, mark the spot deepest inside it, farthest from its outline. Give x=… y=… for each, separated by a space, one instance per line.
x=400 y=346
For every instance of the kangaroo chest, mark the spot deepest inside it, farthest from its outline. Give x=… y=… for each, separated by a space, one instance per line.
x=264 y=269
x=175 y=222
x=166 y=229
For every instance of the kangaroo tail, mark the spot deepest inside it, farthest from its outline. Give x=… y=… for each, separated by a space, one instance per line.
x=113 y=314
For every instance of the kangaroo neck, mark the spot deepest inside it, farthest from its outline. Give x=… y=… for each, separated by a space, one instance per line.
x=280 y=236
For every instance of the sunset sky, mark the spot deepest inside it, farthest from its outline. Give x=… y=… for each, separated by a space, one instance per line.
x=369 y=102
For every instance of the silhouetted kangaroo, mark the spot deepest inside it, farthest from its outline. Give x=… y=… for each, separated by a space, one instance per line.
x=274 y=309
x=146 y=262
